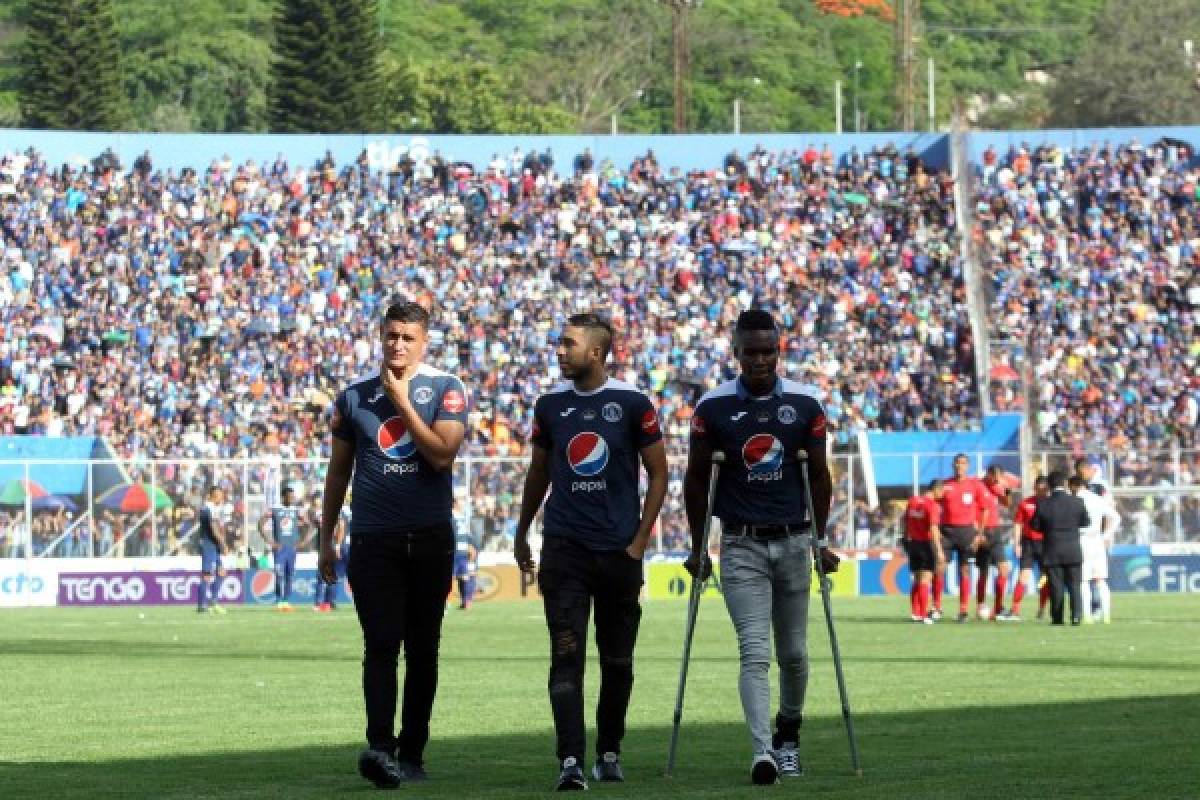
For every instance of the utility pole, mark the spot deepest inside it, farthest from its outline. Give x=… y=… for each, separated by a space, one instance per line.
x=679 y=47
x=908 y=13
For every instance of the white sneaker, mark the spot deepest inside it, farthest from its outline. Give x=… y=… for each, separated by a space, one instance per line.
x=788 y=759
x=764 y=771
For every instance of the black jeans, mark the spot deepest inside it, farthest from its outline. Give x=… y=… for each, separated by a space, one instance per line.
x=1064 y=576
x=400 y=582
x=571 y=579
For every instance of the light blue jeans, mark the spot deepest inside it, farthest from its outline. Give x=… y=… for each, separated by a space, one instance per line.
x=766 y=586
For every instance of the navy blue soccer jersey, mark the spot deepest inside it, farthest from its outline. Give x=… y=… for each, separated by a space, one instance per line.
x=594 y=440
x=285 y=525
x=207 y=530
x=760 y=482
x=395 y=488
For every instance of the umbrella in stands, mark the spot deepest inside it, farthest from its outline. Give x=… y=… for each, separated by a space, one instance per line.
x=1003 y=372
x=134 y=498
x=54 y=502
x=14 y=493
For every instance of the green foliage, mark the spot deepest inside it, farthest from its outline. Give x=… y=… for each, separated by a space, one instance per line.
x=1135 y=71
x=324 y=71
x=554 y=65
x=71 y=66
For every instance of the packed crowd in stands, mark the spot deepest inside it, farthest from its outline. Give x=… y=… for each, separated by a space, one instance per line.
x=214 y=312
x=1093 y=258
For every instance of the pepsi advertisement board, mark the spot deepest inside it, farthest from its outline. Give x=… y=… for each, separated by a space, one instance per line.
x=260 y=587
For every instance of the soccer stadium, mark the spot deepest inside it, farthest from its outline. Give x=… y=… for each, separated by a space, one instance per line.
x=659 y=398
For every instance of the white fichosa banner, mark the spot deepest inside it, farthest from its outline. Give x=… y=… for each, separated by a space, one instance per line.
x=28 y=583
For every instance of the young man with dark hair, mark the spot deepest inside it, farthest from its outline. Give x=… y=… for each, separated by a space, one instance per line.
x=589 y=434
x=759 y=421
x=923 y=543
x=286 y=521
x=992 y=549
x=397 y=433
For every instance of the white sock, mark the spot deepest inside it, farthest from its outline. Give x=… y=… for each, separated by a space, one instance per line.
x=1085 y=600
x=1105 y=598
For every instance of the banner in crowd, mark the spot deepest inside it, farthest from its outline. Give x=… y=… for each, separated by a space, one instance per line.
x=23 y=583
x=500 y=582
x=260 y=587
x=141 y=588
x=1154 y=573
x=669 y=580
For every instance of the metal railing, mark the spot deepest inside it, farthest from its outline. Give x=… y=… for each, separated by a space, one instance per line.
x=1158 y=494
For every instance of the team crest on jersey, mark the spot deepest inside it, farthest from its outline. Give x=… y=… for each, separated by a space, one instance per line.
x=611 y=412
x=786 y=415
x=763 y=456
x=589 y=414
x=587 y=454
x=453 y=401
x=423 y=395
x=394 y=439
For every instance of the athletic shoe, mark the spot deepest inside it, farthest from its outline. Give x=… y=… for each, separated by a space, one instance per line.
x=764 y=771
x=380 y=769
x=962 y=617
x=326 y=607
x=332 y=606
x=608 y=769
x=927 y=621
x=936 y=614
x=317 y=609
x=570 y=778
x=983 y=612
x=202 y=610
x=1041 y=612
x=916 y=618
x=286 y=607
x=1008 y=616
x=413 y=773
x=788 y=758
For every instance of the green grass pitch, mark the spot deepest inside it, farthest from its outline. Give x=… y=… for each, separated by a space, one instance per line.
x=166 y=703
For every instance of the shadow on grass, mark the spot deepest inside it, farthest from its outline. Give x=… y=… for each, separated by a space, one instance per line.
x=103 y=648
x=1134 y=747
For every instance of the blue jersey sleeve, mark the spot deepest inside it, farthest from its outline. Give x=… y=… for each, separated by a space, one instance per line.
x=453 y=403
x=540 y=431
x=645 y=418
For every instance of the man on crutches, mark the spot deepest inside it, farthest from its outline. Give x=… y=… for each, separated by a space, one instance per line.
x=760 y=421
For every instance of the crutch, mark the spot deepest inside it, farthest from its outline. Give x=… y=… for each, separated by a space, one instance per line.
x=718 y=458
x=819 y=541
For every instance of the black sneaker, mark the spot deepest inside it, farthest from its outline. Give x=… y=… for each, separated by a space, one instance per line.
x=608 y=769
x=764 y=771
x=380 y=769
x=962 y=617
x=570 y=778
x=413 y=773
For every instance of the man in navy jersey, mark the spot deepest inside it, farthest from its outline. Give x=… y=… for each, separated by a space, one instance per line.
x=588 y=436
x=760 y=420
x=211 y=533
x=286 y=520
x=397 y=433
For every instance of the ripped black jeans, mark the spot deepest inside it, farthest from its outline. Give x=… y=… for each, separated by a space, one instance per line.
x=571 y=579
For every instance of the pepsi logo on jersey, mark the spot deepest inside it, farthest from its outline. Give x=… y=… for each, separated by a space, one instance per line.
x=396 y=442
x=587 y=455
x=763 y=456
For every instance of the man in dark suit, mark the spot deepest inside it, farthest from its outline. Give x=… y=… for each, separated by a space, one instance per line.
x=1059 y=517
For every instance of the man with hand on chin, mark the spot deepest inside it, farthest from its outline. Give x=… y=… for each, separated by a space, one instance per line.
x=588 y=435
x=397 y=433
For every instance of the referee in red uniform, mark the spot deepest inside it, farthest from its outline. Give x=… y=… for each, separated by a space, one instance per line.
x=923 y=543
x=962 y=523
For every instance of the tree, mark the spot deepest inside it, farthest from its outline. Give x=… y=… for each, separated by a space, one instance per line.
x=323 y=73
x=1135 y=70
x=71 y=61
x=461 y=97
